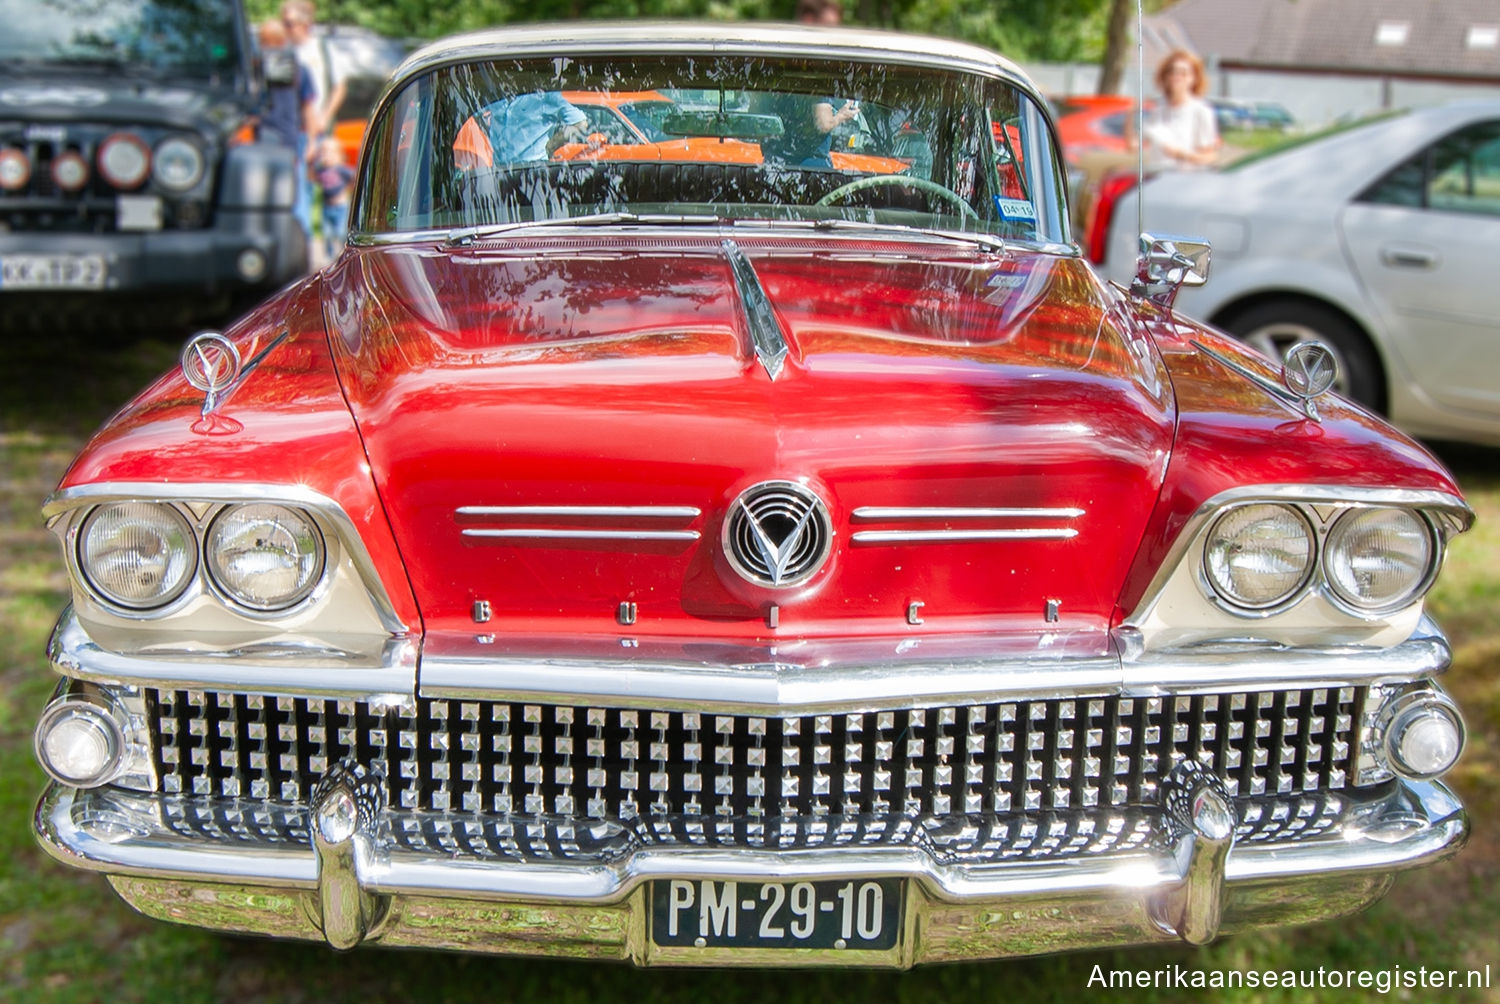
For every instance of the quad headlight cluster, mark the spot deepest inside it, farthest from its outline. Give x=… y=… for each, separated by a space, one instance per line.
x=1260 y=557
x=141 y=556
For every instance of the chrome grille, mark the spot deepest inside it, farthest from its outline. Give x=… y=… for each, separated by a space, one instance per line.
x=605 y=763
x=959 y=840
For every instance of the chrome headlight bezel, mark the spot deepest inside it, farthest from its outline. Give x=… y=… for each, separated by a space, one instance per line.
x=89 y=578
x=305 y=593
x=1223 y=596
x=1336 y=592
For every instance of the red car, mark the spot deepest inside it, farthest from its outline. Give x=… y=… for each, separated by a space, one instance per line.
x=1092 y=123
x=722 y=563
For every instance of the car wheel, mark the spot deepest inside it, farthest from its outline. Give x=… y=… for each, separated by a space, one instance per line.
x=1273 y=327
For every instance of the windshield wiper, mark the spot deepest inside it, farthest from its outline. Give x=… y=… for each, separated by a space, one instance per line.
x=464 y=236
x=989 y=242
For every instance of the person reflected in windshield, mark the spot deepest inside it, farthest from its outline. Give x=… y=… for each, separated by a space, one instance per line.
x=517 y=130
x=808 y=122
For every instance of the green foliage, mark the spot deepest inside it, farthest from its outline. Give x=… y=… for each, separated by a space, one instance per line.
x=1022 y=29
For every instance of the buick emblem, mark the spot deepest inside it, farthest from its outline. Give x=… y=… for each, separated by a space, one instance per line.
x=1309 y=369
x=777 y=534
x=210 y=362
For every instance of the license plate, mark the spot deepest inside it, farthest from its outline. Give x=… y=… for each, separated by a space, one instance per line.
x=52 y=271
x=858 y=914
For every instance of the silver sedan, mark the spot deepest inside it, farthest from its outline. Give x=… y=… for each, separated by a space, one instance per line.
x=1382 y=240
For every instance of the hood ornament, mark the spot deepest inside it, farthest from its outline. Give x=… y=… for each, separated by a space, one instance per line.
x=1309 y=370
x=766 y=335
x=777 y=534
x=211 y=363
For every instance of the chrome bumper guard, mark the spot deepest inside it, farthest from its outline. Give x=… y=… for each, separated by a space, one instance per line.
x=339 y=871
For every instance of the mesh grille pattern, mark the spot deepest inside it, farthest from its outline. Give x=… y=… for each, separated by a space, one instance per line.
x=538 y=759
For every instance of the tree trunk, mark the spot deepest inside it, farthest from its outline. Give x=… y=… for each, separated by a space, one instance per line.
x=1116 y=46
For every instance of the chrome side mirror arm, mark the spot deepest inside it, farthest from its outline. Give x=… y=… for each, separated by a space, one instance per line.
x=1167 y=262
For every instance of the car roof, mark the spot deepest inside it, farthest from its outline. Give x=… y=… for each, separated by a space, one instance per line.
x=668 y=37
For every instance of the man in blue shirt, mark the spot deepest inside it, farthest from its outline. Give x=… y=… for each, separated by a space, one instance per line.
x=529 y=127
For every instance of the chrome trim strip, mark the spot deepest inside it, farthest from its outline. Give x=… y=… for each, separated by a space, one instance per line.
x=582 y=534
x=921 y=536
x=663 y=511
x=303 y=672
x=782 y=685
x=764 y=326
x=1452 y=517
x=771 y=687
x=962 y=512
x=1275 y=390
x=1436 y=825
x=229 y=492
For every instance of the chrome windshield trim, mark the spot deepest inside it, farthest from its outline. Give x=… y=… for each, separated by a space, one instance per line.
x=961 y=512
x=581 y=534
x=938 y=536
x=1435 y=825
x=1452 y=516
x=231 y=492
x=301 y=671
x=719 y=38
x=663 y=511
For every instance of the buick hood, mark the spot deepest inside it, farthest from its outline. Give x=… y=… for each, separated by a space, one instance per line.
x=563 y=431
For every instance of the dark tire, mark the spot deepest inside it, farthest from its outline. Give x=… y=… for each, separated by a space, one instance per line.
x=1274 y=326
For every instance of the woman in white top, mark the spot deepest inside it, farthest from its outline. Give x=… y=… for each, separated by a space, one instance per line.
x=1181 y=132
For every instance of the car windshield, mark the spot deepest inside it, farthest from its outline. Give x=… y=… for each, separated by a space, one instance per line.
x=718 y=137
x=182 y=37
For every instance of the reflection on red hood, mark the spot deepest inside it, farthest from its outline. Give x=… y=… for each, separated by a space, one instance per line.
x=579 y=372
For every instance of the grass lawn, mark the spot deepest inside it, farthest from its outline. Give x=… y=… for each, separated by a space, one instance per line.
x=64 y=936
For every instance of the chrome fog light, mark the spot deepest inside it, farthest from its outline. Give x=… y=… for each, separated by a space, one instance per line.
x=137 y=555
x=1379 y=559
x=265 y=557
x=1258 y=556
x=178 y=164
x=1424 y=735
x=80 y=743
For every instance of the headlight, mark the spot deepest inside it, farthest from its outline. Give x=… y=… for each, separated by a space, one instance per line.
x=264 y=557
x=15 y=169
x=178 y=164
x=124 y=160
x=1258 y=555
x=1378 y=559
x=137 y=555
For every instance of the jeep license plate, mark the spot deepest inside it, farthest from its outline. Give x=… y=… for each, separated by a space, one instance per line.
x=858 y=914
x=52 y=271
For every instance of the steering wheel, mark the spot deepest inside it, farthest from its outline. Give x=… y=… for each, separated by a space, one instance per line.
x=882 y=180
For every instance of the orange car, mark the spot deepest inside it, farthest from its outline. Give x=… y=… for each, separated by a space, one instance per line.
x=626 y=125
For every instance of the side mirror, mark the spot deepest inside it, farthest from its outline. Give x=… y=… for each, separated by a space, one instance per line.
x=1168 y=262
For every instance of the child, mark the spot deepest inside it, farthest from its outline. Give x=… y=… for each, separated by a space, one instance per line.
x=333 y=176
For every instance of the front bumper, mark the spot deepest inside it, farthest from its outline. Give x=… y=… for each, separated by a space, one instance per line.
x=189 y=261
x=974 y=887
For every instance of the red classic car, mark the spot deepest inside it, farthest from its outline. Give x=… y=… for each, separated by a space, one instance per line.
x=727 y=563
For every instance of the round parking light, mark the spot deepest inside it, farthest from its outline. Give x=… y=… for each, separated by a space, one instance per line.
x=1424 y=736
x=124 y=160
x=70 y=171
x=79 y=743
x=15 y=169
